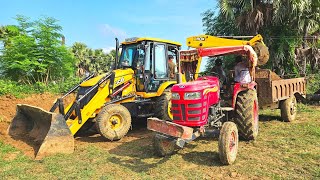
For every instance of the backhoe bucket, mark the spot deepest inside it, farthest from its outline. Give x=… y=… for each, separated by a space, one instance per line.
x=45 y=131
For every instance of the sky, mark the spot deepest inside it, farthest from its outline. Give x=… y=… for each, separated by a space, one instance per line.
x=97 y=23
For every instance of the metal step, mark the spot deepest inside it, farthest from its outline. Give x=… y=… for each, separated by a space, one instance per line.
x=145 y=115
x=226 y=108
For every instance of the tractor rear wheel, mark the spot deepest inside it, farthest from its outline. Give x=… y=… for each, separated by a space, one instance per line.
x=228 y=143
x=289 y=109
x=246 y=114
x=113 y=121
x=163 y=145
x=163 y=106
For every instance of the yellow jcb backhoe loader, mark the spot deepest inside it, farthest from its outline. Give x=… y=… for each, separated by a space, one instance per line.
x=138 y=86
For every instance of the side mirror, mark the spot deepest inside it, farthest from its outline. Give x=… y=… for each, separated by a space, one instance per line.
x=112 y=66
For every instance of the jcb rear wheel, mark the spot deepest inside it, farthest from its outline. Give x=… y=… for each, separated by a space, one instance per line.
x=228 y=143
x=163 y=106
x=113 y=121
x=289 y=109
x=163 y=145
x=247 y=117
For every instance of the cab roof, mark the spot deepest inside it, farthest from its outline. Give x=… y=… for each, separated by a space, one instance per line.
x=139 y=39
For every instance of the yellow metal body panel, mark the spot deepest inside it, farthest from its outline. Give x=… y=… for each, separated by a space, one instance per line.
x=95 y=103
x=160 y=91
x=92 y=81
x=101 y=97
x=151 y=39
x=205 y=41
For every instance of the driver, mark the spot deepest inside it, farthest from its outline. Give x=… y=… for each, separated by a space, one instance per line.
x=218 y=69
x=172 y=67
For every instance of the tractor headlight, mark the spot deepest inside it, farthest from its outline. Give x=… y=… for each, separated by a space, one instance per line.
x=192 y=95
x=175 y=96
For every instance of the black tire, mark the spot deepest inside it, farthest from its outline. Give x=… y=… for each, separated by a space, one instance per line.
x=246 y=114
x=228 y=143
x=163 y=145
x=289 y=109
x=163 y=106
x=113 y=121
x=87 y=128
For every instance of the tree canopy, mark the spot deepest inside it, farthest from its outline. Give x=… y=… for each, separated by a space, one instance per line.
x=33 y=51
x=285 y=25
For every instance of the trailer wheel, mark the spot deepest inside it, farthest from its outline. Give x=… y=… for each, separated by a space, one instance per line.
x=113 y=121
x=247 y=116
x=163 y=145
x=163 y=106
x=228 y=143
x=289 y=109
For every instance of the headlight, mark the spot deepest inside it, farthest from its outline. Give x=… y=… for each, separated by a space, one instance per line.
x=175 y=96
x=192 y=95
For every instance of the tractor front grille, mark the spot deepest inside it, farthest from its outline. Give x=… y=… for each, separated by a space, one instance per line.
x=189 y=111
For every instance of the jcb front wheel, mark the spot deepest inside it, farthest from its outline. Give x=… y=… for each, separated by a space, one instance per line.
x=113 y=121
x=163 y=145
x=247 y=116
x=228 y=143
x=163 y=106
x=289 y=109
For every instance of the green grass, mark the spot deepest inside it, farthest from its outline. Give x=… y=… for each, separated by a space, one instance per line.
x=282 y=151
x=19 y=90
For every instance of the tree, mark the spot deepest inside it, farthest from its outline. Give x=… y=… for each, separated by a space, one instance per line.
x=249 y=16
x=34 y=52
x=89 y=60
x=283 y=24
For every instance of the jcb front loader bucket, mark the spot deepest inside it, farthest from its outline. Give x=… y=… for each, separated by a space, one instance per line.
x=45 y=131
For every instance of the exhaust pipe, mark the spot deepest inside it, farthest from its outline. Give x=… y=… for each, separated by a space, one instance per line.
x=117 y=52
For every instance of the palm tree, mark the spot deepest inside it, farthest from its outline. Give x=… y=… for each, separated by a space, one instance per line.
x=303 y=15
x=249 y=15
x=81 y=55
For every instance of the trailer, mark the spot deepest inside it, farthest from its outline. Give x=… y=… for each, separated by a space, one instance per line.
x=277 y=93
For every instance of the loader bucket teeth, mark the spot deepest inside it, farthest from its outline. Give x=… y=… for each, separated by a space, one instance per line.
x=45 y=131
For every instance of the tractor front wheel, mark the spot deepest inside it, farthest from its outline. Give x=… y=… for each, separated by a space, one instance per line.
x=228 y=143
x=113 y=121
x=247 y=117
x=163 y=145
x=289 y=109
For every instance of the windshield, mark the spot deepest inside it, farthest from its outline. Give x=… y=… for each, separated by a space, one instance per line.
x=130 y=55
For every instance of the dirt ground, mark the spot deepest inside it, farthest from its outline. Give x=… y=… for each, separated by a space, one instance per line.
x=8 y=109
x=283 y=151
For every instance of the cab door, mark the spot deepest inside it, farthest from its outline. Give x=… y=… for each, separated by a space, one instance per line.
x=159 y=67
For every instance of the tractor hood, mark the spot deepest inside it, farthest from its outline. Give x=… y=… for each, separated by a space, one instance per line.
x=200 y=84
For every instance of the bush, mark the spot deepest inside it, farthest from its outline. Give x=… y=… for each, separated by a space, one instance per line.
x=19 y=90
x=313 y=83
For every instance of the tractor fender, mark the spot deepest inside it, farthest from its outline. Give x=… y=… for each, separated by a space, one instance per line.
x=237 y=88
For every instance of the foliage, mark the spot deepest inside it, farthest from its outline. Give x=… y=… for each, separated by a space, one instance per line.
x=20 y=89
x=283 y=24
x=218 y=25
x=313 y=83
x=33 y=52
x=91 y=60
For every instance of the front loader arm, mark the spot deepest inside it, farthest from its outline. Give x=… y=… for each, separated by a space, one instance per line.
x=205 y=41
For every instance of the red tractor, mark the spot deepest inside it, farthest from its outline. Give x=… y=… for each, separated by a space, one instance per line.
x=199 y=107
